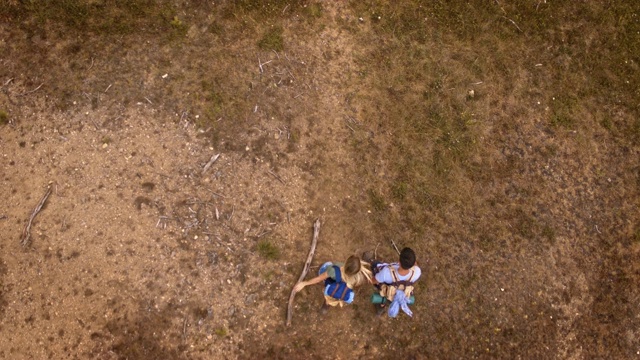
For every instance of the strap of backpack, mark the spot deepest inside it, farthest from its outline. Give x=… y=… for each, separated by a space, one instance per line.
x=340 y=287
x=396 y=277
x=338 y=274
x=335 y=290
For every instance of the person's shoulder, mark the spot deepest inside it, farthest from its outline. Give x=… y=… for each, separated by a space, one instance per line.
x=417 y=272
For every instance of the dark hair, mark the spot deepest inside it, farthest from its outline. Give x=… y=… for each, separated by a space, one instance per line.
x=352 y=265
x=407 y=258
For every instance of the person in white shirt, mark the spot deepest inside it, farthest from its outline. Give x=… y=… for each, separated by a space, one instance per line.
x=389 y=278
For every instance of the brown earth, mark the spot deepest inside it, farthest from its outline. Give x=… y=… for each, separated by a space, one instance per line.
x=520 y=198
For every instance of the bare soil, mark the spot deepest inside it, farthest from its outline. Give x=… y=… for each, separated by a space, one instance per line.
x=500 y=141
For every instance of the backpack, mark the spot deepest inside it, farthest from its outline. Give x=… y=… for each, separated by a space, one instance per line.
x=337 y=288
x=388 y=291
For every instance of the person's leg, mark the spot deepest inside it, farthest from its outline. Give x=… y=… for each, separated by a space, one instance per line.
x=324 y=307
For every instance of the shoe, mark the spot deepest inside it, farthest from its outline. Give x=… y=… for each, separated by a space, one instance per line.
x=324 y=308
x=367 y=256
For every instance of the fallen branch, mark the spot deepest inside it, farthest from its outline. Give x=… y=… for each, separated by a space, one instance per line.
x=211 y=161
x=32 y=91
x=26 y=234
x=184 y=329
x=276 y=176
x=316 y=232
x=262 y=63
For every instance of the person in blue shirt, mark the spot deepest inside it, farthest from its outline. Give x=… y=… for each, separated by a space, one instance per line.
x=353 y=273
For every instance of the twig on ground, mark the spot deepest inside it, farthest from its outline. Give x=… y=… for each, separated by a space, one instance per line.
x=94 y=124
x=305 y=270
x=350 y=128
x=216 y=194
x=217 y=214
x=211 y=161
x=263 y=234
x=277 y=177
x=146 y=98
x=375 y=251
x=162 y=222
x=91 y=64
x=108 y=87
x=7 y=82
x=32 y=91
x=394 y=246
x=514 y=23
x=26 y=234
x=184 y=329
x=262 y=63
x=232 y=211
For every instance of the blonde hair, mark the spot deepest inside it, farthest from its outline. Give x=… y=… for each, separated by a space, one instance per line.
x=356 y=272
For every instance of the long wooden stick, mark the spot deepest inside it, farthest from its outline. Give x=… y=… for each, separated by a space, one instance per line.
x=393 y=243
x=26 y=234
x=316 y=231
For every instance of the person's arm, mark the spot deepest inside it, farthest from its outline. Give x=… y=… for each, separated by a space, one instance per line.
x=301 y=285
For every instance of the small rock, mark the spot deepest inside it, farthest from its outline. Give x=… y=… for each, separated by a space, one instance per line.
x=251 y=298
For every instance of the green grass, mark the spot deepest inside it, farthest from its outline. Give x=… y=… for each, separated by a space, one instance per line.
x=313 y=11
x=376 y=200
x=549 y=234
x=4 y=117
x=179 y=27
x=272 y=39
x=221 y=331
x=267 y=250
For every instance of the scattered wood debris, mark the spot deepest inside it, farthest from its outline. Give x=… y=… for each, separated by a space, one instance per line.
x=26 y=234
x=211 y=161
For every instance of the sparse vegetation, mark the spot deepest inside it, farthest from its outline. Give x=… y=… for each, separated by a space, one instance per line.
x=267 y=250
x=4 y=118
x=272 y=39
x=221 y=331
x=518 y=197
